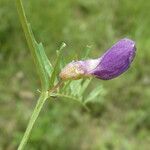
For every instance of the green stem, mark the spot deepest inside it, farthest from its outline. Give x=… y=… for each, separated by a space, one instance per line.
x=24 y=24
x=31 y=42
x=33 y=118
x=44 y=93
x=35 y=114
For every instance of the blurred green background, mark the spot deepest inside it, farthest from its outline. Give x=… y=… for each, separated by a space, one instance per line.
x=121 y=118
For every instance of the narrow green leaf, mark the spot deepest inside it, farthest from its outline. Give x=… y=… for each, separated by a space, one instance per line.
x=70 y=97
x=85 y=85
x=93 y=96
x=65 y=87
x=38 y=58
x=75 y=87
x=87 y=52
x=47 y=64
x=57 y=65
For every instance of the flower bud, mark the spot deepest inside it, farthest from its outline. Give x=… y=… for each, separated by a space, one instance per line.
x=111 y=64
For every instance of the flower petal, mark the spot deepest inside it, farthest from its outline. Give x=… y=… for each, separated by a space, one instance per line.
x=116 y=60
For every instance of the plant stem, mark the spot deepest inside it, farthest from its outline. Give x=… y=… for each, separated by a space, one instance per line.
x=35 y=114
x=33 y=118
x=31 y=43
x=44 y=93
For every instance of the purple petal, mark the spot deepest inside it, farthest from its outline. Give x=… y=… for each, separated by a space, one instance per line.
x=116 y=60
x=113 y=62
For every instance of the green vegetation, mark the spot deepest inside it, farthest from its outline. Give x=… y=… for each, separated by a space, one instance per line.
x=119 y=119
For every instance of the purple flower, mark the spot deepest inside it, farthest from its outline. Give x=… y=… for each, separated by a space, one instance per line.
x=111 y=64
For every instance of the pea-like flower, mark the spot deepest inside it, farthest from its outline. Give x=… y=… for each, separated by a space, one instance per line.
x=111 y=64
